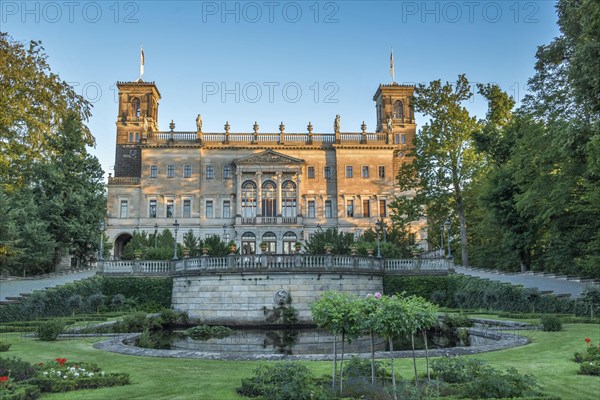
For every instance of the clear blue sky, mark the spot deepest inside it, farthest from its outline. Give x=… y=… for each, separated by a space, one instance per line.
x=336 y=53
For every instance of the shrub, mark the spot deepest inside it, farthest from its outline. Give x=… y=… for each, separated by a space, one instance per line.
x=19 y=392
x=95 y=301
x=18 y=369
x=4 y=346
x=455 y=369
x=74 y=303
x=118 y=301
x=48 y=331
x=135 y=322
x=589 y=368
x=285 y=381
x=491 y=383
x=167 y=319
x=453 y=321
x=550 y=323
x=205 y=332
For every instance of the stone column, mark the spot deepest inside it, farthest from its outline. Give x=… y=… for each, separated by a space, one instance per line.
x=298 y=198
x=278 y=181
x=238 y=194
x=259 y=194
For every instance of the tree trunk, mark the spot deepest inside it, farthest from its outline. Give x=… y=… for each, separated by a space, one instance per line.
x=342 y=365
x=460 y=209
x=412 y=339
x=57 y=257
x=426 y=355
x=372 y=358
x=392 y=365
x=334 y=361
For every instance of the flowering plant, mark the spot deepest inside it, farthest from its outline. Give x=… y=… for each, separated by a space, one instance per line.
x=590 y=359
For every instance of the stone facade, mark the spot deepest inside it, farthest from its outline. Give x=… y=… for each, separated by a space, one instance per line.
x=247 y=298
x=252 y=187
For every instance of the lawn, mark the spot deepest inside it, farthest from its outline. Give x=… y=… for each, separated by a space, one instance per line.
x=548 y=357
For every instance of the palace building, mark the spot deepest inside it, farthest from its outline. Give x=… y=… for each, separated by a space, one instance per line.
x=253 y=187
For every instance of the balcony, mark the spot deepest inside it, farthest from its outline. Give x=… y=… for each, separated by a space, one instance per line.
x=268 y=220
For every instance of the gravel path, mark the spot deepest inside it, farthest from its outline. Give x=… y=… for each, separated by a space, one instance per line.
x=13 y=288
x=559 y=285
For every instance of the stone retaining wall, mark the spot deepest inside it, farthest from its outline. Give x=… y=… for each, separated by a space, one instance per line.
x=246 y=299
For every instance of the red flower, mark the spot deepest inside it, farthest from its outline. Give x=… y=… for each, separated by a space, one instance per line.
x=3 y=379
x=588 y=340
x=61 y=361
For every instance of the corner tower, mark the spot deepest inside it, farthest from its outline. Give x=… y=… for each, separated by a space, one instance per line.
x=138 y=115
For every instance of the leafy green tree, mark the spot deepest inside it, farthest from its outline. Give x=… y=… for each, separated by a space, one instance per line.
x=445 y=160
x=216 y=246
x=193 y=243
x=341 y=241
x=33 y=103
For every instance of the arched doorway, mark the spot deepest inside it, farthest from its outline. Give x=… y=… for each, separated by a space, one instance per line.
x=248 y=243
x=120 y=243
x=289 y=240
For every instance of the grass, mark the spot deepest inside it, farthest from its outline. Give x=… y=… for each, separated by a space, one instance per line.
x=548 y=358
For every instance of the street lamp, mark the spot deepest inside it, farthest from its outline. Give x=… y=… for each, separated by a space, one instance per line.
x=378 y=224
x=442 y=239
x=155 y=234
x=101 y=256
x=176 y=225
x=225 y=235
x=447 y=225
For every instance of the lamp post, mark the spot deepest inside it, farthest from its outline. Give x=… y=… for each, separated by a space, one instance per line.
x=225 y=235
x=441 y=239
x=378 y=224
x=155 y=234
x=176 y=225
x=447 y=225
x=101 y=256
x=384 y=229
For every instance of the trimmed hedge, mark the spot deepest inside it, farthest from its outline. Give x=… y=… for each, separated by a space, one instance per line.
x=474 y=293
x=148 y=293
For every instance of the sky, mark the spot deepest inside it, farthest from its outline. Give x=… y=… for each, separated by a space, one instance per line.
x=277 y=61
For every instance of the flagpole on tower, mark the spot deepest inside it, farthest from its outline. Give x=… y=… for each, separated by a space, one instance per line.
x=392 y=65
x=141 y=62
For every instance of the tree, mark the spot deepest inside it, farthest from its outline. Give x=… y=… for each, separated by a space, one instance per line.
x=445 y=160
x=33 y=103
x=341 y=241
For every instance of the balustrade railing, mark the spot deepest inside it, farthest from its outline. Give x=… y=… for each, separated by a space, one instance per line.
x=273 y=262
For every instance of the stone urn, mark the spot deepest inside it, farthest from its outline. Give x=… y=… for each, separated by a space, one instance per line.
x=328 y=248
x=298 y=247
x=353 y=250
x=232 y=248
x=186 y=252
x=370 y=251
x=205 y=251
x=263 y=246
x=137 y=254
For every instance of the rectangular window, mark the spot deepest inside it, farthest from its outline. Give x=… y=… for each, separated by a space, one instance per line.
x=210 y=172
x=311 y=209
x=328 y=210
x=187 y=208
x=381 y=171
x=226 y=209
x=397 y=138
x=134 y=137
x=152 y=209
x=170 y=208
x=382 y=208
x=327 y=172
x=170 y=171
x=403 y=138
x=227 y=172
x=209 y=209
x=349 y=208
x=366 y=209
x=153 y=171
x=187 y=171
x=364 y=171
x=124 y=211
x=311 y=172
x=348 y=171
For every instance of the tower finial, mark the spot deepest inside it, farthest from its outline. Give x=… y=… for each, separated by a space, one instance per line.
x=141 y=62
x=392 y=64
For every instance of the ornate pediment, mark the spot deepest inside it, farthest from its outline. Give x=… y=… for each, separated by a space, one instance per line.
x=268 y=157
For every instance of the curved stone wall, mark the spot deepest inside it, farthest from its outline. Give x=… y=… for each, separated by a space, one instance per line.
x=249 y=298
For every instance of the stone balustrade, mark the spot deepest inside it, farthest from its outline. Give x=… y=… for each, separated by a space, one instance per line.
x=275 y=262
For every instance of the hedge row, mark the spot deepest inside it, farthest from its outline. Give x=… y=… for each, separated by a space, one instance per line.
x=146 y=293
x=459 y=291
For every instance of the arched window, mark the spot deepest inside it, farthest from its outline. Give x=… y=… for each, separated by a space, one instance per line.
x=271 y=240
x=288 y=199
x=289 y=240
x=398 y=109
x=248 y=243
x=135 y=107
x=249 y=199
x=269 y=201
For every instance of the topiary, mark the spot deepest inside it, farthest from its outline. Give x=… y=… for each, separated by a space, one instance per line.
x=48 y=331
x=551 y=323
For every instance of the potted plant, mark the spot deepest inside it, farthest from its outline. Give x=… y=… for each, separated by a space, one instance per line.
x=298 y=247
x=328 y=248
x=205 y=250
x=231 y=247
x=186 y=252
x=370 y=251
x=137 y=254
x=353 y=249
x=263 y=246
